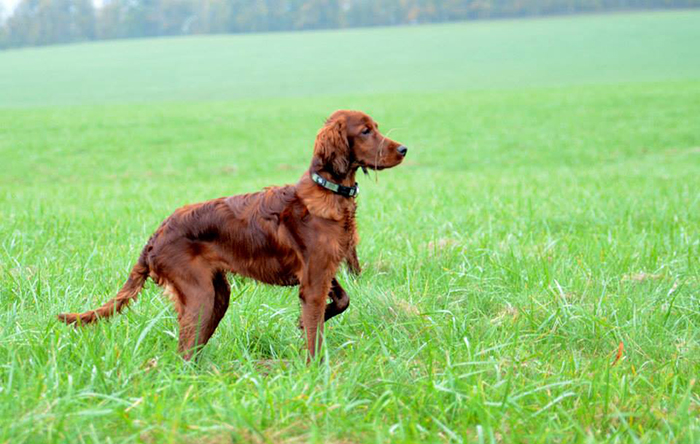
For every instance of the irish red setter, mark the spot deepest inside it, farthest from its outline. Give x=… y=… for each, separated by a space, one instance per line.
x=290 y=235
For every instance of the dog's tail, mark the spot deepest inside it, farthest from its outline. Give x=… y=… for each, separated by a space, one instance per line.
x=131 y=289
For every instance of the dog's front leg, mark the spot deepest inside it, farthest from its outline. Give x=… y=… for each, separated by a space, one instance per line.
x=339 y=300
x=353 y=262
x=313 y=292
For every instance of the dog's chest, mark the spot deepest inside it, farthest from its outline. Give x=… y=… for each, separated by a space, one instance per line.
x=349 y=228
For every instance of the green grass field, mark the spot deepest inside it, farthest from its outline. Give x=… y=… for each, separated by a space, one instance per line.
x=548 y=211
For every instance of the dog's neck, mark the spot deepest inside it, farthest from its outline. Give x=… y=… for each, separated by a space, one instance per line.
x=347 y=180
x=323 y=202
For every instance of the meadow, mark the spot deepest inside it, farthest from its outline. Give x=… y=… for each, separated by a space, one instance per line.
x=531 y=272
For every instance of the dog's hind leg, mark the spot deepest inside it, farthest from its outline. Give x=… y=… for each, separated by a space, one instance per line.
x=202 y=305
x=222 y=295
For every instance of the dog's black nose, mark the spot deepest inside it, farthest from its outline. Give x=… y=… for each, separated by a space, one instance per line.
x=402 y=150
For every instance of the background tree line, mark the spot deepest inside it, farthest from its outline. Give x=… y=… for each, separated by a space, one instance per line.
x=42 y=22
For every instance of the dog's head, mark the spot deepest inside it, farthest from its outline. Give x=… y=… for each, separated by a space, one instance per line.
x=350 y=140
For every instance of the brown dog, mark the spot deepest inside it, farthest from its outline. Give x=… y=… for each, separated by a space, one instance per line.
x=291 y=235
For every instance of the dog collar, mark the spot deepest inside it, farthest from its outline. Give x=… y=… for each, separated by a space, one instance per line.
x=335 y=187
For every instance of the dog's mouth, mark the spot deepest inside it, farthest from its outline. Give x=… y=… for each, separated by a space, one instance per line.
x=384 y=160
x=384 y=166
x=374 y=167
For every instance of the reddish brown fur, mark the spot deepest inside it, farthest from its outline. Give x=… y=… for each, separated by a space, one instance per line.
x=290 y=235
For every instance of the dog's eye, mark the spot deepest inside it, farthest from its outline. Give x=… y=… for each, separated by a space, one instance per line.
x=366 y=131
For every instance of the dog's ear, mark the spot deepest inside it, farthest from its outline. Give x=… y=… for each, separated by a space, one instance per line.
x=332 y=149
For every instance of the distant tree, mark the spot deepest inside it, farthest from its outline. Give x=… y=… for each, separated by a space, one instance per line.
x=210 y=17
x=176 y=17
x=142 y=18
x=41 y=22
x=111 y=20
x=84 y=19
x=3 y=29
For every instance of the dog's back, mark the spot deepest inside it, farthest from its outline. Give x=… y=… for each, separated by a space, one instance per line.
x=239 y=234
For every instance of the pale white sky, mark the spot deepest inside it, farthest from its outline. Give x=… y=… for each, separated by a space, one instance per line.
x=8 y=5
